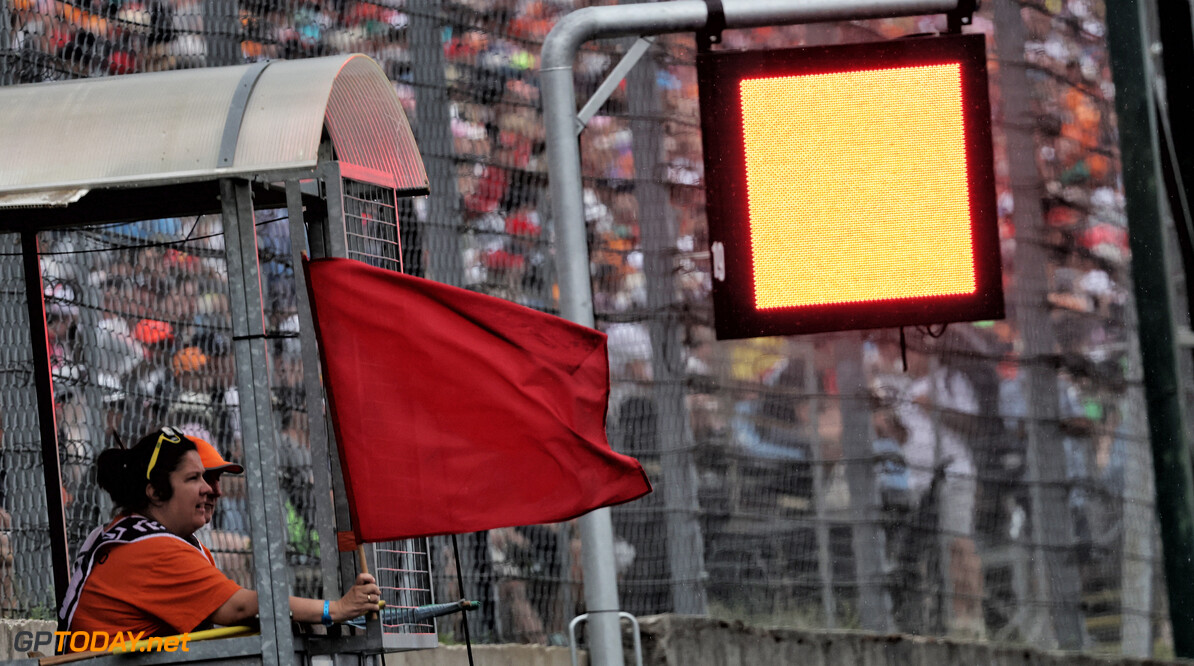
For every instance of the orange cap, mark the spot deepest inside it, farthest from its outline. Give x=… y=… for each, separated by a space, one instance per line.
x=152 y=331
x=189 y=359
x=212 y=460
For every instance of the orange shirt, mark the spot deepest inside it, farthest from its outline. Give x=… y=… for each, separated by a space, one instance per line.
x=161 y=585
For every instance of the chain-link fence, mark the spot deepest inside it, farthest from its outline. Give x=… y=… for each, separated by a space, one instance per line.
x=991 y=480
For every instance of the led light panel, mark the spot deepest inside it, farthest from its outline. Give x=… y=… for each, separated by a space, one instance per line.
x=850 y=187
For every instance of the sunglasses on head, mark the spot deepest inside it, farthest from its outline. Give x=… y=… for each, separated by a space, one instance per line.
x=167 y=434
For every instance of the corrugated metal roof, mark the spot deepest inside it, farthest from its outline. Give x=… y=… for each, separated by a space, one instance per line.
x=165 y=127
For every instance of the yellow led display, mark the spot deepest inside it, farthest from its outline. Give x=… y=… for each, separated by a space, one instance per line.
x=829 y=159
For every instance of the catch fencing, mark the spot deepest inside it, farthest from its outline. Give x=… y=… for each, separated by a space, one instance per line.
x=997 y=488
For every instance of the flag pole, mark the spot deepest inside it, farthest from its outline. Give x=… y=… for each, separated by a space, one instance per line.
x=365 y=569
x=468 y=643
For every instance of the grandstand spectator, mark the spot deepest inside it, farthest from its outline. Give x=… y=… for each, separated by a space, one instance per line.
x=114 y=337
x=230 y=548
x=1078 y=415
x=513 y=560
x=189 y=391
x=776 y=426
x=932 y=404
x=1008 y=498
x=630 y=401
x=704 y=406
x=229 y=535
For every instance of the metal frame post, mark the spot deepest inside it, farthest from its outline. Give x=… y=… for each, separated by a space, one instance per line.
x=8 y=61
x=1136 y=110
x=563 y=154
x=1055 y=573
x=441 y=238
x=685 y=545
x=866 y=534
x=47 y=423
x=333 y=243
x=223 y=43
x=820 y=483
x=267 y=520
x=1139 y=519
x=317 y=429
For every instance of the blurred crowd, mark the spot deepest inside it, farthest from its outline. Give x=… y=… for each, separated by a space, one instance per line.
x=145 y=332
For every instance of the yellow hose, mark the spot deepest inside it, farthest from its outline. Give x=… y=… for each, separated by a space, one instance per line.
x=206 y=634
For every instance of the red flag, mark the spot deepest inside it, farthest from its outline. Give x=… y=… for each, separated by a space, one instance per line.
x=458 y=412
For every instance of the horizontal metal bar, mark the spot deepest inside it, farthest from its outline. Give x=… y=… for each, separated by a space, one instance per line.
x=691 y=15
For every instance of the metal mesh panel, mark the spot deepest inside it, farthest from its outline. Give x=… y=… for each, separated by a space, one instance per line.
x=371 y=225
x=402 y=573
x=140 y=337
x=372 y=229
x=25 y=590
x=806 y=464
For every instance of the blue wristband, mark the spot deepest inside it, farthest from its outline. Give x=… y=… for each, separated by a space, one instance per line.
x=327 y=613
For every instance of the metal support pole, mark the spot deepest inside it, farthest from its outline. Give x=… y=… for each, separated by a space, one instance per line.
x=47 y=425
x=221 y=21
x=563 y=155
x=1138 y=519
x=9 y=59
x=866 y=535
x=432 y=134
x=685 y=546
x=1056 y=574
x=333 y=243
x=267 y=521
x=1175 y=29
x=576 y=304
x=1134 y=105
x=317 y=427
x=820 y=484
x=658 y=18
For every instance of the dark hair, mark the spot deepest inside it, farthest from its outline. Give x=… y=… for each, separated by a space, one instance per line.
x=121 y=471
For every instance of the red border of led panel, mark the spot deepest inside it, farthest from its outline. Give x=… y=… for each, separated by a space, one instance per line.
x=721 y=121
